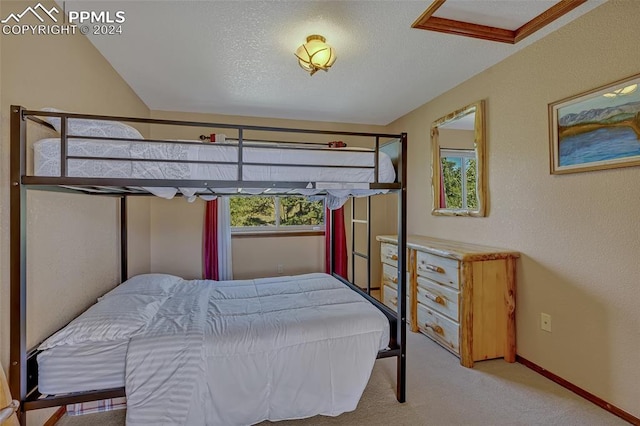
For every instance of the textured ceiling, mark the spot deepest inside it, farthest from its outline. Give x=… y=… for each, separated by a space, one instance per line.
x=236 y=57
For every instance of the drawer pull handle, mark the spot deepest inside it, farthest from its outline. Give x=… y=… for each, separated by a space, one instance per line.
x=394 y=257
x=394 y=301
x=436 y=328
x=394 y=280
x=434 y=268
x=438 y=299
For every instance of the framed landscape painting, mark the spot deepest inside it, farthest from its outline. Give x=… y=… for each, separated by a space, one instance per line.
x=599 y=129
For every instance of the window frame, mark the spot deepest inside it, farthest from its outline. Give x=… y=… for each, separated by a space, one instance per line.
x=278 y=229
x=462 y=154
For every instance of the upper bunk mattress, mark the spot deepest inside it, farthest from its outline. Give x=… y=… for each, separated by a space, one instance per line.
x=330 y=165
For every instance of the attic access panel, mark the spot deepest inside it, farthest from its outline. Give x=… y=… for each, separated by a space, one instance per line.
x=486 y=19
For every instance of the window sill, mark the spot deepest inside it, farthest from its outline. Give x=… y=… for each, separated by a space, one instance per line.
x=271 y=234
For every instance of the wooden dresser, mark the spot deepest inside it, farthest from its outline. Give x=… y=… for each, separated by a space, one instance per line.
x=460 y=295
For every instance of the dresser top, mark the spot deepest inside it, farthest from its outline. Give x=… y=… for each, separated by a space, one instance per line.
x=452 y=249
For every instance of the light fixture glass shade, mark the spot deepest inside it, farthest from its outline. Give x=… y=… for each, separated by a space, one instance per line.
x=315 y=54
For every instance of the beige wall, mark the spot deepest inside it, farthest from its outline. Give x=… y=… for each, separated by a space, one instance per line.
x=579 y=233
x=176 y=226
x=72 y=239
x=176 y=246
x=139 y=235
x=456 y=139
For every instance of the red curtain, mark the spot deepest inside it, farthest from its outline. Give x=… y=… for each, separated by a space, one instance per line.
x=210 y=241
x=210 y=237
x=339 y=243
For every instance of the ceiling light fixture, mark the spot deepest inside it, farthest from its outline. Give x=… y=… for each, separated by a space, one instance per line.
x=315 y=54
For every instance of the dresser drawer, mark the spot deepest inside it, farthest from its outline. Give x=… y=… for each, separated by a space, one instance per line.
x=389 y=253
x=389 y=275
x=438 y=297
x=391 y=297
x=439 y=327
x=440 y=269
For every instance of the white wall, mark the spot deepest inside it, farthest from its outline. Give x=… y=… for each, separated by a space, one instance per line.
x=579 y=234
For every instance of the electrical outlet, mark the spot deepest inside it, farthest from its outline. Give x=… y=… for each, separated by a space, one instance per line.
x=280 y=268
x=545 y=322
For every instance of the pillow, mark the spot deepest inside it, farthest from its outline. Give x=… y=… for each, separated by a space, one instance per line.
x=116 y=318
x=146 y=284
x=104 y=128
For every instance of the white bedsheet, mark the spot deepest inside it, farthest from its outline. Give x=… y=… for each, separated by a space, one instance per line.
x=340 y=183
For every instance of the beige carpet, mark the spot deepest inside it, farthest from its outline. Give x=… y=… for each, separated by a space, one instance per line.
x=441 y=392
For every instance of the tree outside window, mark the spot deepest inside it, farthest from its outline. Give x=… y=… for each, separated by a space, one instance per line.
x=276 y=213
x=459 y=170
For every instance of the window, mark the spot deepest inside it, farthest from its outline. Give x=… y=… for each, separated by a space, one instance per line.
x=459 y=178
x=276 y=213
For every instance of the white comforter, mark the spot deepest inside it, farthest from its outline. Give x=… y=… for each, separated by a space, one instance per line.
x=240 y=352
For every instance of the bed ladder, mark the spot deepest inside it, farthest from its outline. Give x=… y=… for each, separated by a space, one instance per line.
x=354 y=252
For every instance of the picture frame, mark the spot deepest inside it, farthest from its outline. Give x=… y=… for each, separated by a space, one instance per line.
x=598 y=129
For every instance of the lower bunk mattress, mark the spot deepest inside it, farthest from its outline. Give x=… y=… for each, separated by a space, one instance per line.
x=82 y=367
x=221 y=352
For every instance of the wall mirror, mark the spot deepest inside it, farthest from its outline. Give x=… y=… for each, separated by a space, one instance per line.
x=458 y=162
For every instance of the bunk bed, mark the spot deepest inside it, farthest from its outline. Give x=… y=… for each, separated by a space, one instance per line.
x=124 y=164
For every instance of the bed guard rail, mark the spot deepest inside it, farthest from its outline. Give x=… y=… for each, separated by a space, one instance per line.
x=380 y=141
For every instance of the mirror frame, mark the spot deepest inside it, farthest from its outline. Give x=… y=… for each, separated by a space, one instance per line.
x=480 y=145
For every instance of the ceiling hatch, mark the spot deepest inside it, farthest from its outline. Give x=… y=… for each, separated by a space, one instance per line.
x=494 y=20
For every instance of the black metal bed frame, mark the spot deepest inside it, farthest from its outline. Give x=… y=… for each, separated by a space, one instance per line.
x=23 y=369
